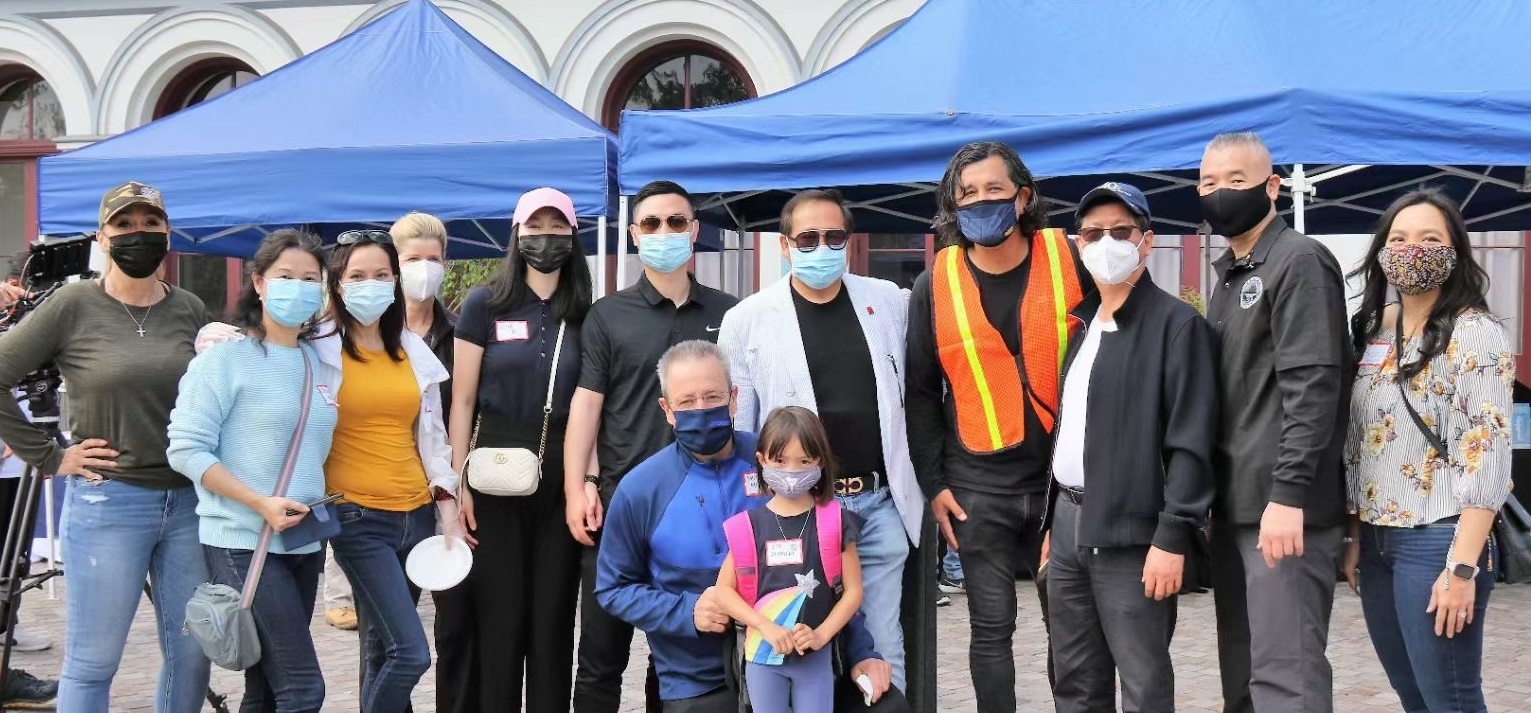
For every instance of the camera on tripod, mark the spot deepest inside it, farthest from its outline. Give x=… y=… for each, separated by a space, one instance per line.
x=46 y=267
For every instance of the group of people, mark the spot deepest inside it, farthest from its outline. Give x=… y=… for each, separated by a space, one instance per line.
x=744 y=480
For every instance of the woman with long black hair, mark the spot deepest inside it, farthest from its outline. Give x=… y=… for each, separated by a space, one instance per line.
x=390 y=459
x=236 y=414
x=518 y=362
x=122 y=343
x=1428 y=453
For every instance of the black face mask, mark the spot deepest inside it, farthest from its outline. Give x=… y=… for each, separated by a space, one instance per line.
x=545 y=253
x=1234 y=211
x=139 y=254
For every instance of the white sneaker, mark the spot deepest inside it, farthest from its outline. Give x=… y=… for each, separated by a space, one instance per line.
x=23 y=640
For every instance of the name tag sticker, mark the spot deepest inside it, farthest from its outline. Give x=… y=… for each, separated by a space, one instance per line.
x=324 y=393
x=751 y=484
x=784 y=552
x=1376 y=353
x=511 y=330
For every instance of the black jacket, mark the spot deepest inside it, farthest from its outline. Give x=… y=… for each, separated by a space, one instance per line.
x=440 y=339
x=1151 y=421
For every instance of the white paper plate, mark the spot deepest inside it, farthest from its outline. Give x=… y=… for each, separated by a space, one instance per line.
x=433 y=567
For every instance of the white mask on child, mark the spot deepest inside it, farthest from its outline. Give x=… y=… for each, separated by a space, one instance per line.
x=790 y=483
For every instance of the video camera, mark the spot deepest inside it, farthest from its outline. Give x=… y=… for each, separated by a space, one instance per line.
x=47 y=267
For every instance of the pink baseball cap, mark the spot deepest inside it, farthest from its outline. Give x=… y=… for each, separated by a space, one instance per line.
x=539 y=198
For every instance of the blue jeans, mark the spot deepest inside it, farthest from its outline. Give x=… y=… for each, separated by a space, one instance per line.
x=951 y=566
x=287 y=679
x=883 y=549
x=1432 y=674
x=116 y=537
x=371 y=549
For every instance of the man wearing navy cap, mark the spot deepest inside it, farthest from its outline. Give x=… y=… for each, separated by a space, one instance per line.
x=1131 y=470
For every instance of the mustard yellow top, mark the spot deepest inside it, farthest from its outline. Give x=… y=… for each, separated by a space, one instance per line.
x=374 y=460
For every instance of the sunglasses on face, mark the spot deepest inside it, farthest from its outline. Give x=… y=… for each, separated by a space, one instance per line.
x=1120 y=232
x=352 y=237
x=809 y=240
x=676 y=223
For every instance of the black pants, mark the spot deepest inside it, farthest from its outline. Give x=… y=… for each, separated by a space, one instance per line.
x=1106 y=625
x=605 y=643
x=520 y=611
x=1002 y=534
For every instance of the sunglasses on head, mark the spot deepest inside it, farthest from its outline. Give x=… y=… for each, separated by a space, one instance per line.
x=352 y=237
x=676 y=223
x=809 y=240
x=1120 y=232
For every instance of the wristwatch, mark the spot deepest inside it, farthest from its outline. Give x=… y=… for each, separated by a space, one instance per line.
x=592 y=479
x=441 y=494
x=1462 y=570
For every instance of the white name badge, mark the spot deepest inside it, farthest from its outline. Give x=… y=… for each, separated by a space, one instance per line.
x=324 y=393
x=1376 y=353
x=784 y=552
x=511 y=331
x=751 y=484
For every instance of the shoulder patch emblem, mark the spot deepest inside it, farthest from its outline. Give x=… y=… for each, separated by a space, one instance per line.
x=1250 y=293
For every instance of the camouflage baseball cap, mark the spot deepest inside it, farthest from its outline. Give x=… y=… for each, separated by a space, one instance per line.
x=130 y=194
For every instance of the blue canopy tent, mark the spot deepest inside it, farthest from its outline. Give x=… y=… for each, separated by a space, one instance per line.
x=1410 y=91
x=407 y=113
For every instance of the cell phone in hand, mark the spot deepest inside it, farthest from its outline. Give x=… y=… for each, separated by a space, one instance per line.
x=326 y=500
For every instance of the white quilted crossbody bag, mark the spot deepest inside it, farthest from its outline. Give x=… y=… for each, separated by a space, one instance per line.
x=513 y=472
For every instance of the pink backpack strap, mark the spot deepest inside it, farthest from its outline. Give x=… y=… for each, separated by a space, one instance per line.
x=740 y=533
x=829 y=542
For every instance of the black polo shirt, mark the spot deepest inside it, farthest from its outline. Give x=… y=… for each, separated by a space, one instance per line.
x=1279 y=318
x=519 y=344
x=624 y=335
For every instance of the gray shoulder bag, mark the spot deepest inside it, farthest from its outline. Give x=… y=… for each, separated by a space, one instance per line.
x=217 y=615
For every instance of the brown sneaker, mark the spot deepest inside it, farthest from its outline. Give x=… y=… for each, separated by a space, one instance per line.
x=343 y=618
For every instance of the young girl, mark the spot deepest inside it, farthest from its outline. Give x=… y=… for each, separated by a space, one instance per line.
x=800 y=550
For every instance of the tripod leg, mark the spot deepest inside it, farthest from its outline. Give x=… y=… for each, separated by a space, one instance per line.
x=23 y=518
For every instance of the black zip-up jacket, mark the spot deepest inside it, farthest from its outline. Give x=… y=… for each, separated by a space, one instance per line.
x=1150 y=423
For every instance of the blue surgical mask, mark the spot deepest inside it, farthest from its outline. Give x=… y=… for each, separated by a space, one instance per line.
x=704 y=431
x=987 y=223
x=665 y=252
x=292 y=302
x=368 y=300
x=820 y=268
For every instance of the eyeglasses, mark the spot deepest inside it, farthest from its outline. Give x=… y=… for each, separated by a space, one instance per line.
x=676 y=223
x=809 y=240
x=1120 y=232
x=352 y=237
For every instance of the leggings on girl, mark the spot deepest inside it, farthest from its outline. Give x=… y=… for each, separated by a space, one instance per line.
x=806 y=682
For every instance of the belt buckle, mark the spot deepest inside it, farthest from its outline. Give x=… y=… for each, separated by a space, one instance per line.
x=853 y=485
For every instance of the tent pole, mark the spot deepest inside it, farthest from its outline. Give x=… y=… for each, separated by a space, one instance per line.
x=1299 y=198
x=623 y=222
x=600 y=257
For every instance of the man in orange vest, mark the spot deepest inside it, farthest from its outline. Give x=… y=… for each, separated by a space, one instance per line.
x=988 y=326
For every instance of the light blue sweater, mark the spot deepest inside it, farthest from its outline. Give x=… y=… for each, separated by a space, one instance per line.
x=238 y=406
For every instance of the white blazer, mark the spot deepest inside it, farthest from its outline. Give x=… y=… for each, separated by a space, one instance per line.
x=768 y=364
x=430 y=428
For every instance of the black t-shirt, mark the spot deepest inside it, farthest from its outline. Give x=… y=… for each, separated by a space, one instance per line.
x=518 y=357
x=624 y=335
x=844 y=383
x=770 y=526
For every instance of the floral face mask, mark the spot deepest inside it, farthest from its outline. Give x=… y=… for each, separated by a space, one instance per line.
x=1417 y=269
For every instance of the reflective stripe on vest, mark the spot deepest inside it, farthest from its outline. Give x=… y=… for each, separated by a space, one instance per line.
x=983 y=375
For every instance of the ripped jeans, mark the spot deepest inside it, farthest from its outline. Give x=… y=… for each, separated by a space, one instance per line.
x=116 y=537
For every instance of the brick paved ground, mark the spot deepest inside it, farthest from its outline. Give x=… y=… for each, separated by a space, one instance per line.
x=1360 y=684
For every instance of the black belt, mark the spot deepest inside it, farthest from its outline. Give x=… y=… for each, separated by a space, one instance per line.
x=858 y=484
x=1073 y=495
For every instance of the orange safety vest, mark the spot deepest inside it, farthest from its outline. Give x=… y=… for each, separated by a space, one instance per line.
x=983 y=375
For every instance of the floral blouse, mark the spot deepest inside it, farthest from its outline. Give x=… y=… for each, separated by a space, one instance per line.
x=1395 y=477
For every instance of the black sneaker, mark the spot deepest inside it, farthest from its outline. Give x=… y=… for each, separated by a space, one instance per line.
x=21 y=688
x=948 y=585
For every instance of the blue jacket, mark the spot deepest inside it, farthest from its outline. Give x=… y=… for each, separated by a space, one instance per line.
x=663 y=545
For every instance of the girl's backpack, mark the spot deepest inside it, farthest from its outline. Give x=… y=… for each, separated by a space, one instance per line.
x=740 y=533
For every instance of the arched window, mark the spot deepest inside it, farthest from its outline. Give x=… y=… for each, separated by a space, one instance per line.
x=684 y=74
x=203 y=81
x=214 y=279
x=29 y=109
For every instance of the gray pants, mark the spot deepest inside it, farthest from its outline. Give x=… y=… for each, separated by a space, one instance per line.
x=1273 y=624
x=1102 y=625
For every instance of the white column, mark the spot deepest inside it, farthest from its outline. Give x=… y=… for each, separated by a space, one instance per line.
x=622 y=222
